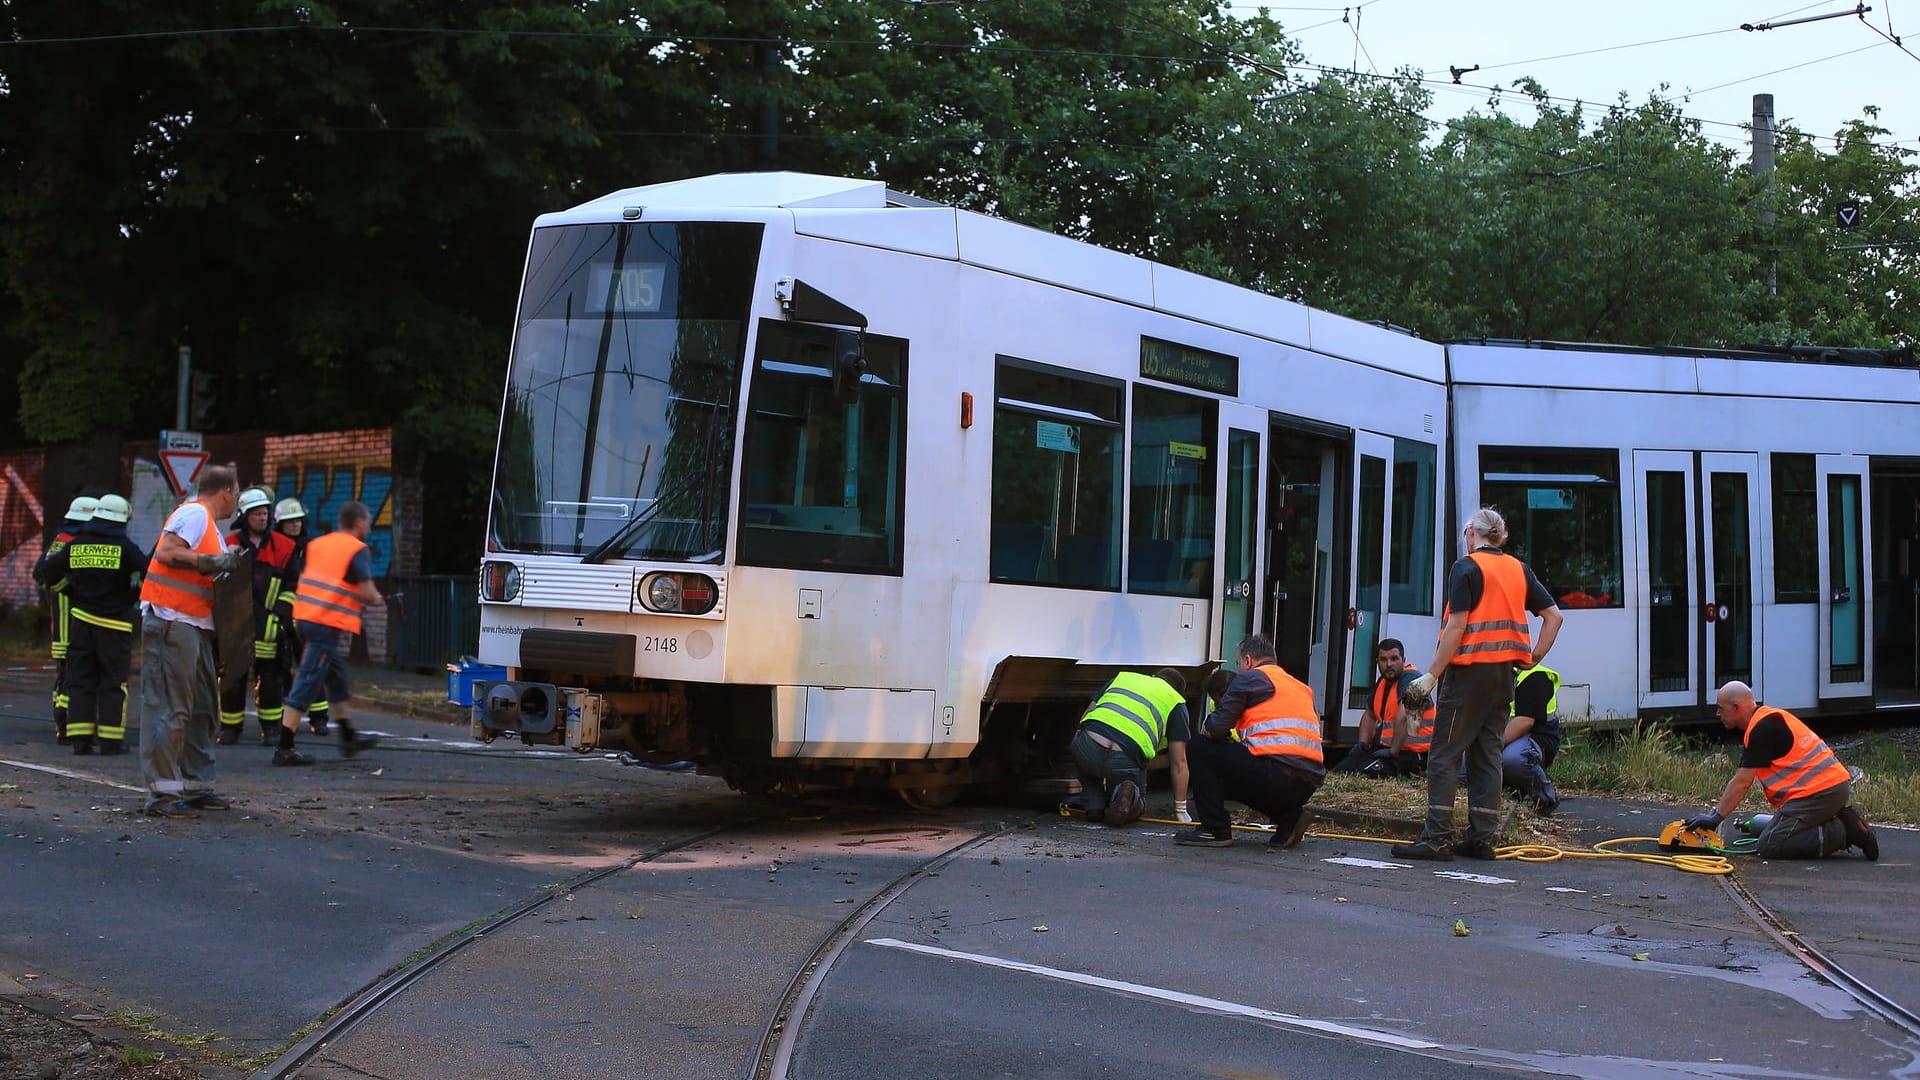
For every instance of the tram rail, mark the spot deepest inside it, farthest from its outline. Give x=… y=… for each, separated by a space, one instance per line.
x=1818 y=961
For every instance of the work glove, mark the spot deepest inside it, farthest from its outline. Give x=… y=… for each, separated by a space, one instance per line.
x=1180 y=811
x=1708 y=821
x=1417 y=693
x=217 y=564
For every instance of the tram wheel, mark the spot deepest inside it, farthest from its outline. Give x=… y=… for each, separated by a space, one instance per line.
x=931 y=798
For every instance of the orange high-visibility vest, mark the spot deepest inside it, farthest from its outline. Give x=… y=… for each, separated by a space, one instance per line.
x=188 y=592
x=323 y=595
x=1807 y=769
x=1497 y=625
x=1286 y=723
x=1386 y=707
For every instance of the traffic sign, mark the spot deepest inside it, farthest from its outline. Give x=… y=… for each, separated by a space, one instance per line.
x=181 y=440
x=182 y=467
x=1848 y=214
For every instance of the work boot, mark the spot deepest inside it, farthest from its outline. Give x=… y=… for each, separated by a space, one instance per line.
x=1201 y=836
x=1281 y=841
x=1547 y=800
x=269 y=733
x=113 y=746
x=287 y=755
x=1860 y=834
x=1125 y=806
x=82 y=745
x=1481 y=848
x=1423 y=850
x=229 y=735
x=208 y=800
x=170 y=806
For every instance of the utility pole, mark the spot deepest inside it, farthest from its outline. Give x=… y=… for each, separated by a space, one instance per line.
x=185 y=389
x=1763 y=172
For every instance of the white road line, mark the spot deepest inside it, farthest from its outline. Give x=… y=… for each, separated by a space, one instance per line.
x=1229 y=1008
x=1371 y=864
x=1477 y=879
x=1563 y=888
x=91 y=778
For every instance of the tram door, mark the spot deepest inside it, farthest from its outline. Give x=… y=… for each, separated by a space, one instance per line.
x=1698 y=580
x=1238 y=594
x=1846 y=603
x=1308 y=521
x=1367 y=602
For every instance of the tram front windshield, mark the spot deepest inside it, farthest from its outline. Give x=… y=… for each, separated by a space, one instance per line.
x=617 y=435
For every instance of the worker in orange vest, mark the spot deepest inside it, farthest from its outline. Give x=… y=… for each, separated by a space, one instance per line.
x=179 y=693
x=1483 y=640
x=1260 y=746
x=1810 y=790
x=335 y=587
x=1393 y=741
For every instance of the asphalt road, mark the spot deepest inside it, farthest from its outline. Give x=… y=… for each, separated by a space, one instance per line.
x=1049 y=948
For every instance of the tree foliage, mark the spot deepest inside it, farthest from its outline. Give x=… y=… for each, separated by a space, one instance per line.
x=329 y=201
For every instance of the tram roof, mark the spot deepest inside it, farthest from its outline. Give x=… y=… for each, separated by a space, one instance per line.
x=1755 y=371
x=867 y=212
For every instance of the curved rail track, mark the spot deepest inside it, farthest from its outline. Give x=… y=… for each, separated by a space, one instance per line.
x=1819 y=962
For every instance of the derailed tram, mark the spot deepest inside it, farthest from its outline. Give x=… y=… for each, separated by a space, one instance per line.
x=812 y=482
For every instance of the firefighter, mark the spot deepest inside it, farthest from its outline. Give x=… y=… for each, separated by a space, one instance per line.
x=290 y=521
x=102 y=571
x=272 y=557
x=79 y=512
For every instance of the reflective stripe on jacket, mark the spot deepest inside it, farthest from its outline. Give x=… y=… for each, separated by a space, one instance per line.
x=1497 y=626
x=1807 y=769
x=188 y=592
x=1137 y=708
x=1386 y=707
x=323 y=595
x=1553 y=696
x=1286 y=723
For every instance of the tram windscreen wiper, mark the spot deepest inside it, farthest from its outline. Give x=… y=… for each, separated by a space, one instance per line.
x=623 y=536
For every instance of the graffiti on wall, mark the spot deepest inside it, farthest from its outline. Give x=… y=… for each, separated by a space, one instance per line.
x=22 y=526
x=326 y=471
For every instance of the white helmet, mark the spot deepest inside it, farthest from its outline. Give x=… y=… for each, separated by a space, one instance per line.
x=288 y=509
x=112 y=508
x=82 y=508
x=253 y=499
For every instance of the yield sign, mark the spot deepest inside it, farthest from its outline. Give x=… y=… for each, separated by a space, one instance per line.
x=181 y=467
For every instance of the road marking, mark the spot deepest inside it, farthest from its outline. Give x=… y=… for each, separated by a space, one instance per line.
x=1371 y=864
x=1229 y=1008
x=1477 y=879
x=1563 y=888
x=91 y=778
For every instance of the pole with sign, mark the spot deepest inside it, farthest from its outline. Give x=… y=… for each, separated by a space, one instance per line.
x=182 y=456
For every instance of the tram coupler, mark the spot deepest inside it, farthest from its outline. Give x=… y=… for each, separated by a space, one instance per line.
x=539 y=714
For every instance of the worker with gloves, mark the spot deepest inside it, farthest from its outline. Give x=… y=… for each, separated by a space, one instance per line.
x=272 y=624
x=1483 y=639
x=290 y=521
x=79 y=512
x=1810 y=790
x=1261 y=746
x=102 y=570
x=336 y=585
x=179 y=692
x=1134 y=719
x=1393 y=740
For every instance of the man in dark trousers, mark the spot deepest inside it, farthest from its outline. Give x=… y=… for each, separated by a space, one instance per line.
x=79 y=512
x=1393 y=741
x=336 y=585
x=1128 y=725
x=102 y=569
x=290 y=521
x=1483 y=641
x=1260 y=746
x=272 y=625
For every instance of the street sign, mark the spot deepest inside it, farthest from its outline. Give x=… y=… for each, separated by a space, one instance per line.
x=181 y=468
x=1849 y=214
x=181 y=440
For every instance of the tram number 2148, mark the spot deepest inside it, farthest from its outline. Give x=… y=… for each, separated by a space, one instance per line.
x=651 y=643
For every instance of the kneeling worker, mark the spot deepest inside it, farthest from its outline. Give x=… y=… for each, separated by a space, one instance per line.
x=1808 y=787
x=1133 y=719
x=1533 y=738
x=1261 y=746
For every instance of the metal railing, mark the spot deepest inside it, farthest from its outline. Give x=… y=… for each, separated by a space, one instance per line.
x=439 y=621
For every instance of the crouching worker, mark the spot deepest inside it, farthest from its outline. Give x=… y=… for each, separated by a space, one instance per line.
x=1261 y=746
x=1532 y=738
x=1134 y=718
x=1808 y=787
x=1391 y=742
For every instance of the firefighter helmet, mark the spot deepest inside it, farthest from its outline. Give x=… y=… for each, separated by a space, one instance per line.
x=288 y=509
x=112 y=508
x=253 y=499
x=82 y=508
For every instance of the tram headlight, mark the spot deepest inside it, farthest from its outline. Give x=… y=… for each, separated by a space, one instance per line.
x=678 y=594
x=500 y=581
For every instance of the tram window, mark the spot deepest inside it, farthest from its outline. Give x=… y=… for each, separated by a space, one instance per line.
x=823 y=483
x=1796 y=540
x=1056 y=478
x=1170 y=536
x=1410 y=554
x=1563 y=518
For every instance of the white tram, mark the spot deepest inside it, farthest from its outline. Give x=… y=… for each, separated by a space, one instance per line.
x=812 y=482
x=809 y=481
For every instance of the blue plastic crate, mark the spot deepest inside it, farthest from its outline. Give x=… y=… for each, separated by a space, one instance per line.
x=461 y=678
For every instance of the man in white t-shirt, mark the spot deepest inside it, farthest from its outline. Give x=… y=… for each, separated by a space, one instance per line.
x=179 y=692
